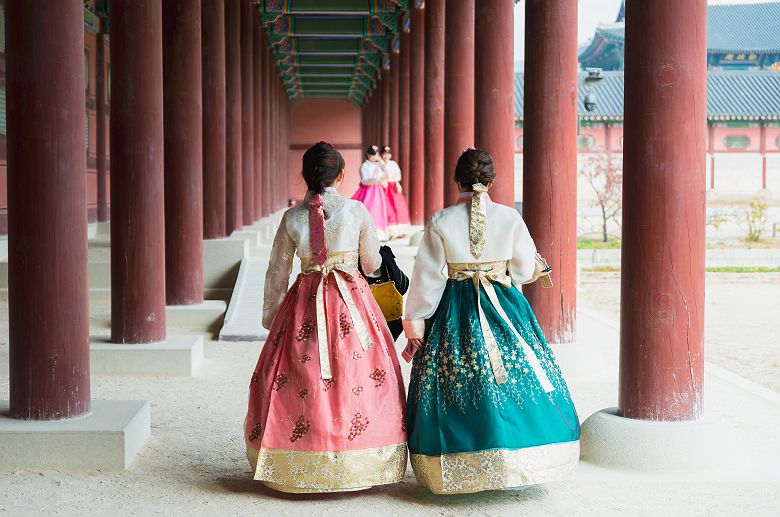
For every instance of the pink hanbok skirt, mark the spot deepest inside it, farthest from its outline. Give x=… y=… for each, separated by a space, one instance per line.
x=397 y=211
x=306 y=433
x=375 y=199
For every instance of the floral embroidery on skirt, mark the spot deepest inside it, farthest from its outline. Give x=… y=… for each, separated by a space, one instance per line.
x=308 y=434
x=468 y=433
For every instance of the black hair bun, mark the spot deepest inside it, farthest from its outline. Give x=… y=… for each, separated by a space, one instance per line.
x=474 y=166
x=322 y=164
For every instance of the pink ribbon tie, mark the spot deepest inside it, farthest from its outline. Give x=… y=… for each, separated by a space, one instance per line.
x=319 y=252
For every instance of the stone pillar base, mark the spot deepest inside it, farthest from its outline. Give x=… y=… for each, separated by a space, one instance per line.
x=109 y=438
x=202 y=317
x=221 y=260
x=177 y=356
x=252 y=235
x=700 y=446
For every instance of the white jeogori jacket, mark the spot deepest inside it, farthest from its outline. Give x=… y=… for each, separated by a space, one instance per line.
x=393 y=171
x=348 y=229
x=446 y=240
x=371 y=173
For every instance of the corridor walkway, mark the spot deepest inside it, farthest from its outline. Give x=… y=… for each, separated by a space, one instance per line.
x=194 y=462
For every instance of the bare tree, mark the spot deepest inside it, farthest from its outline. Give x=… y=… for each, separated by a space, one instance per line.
x=604 y=174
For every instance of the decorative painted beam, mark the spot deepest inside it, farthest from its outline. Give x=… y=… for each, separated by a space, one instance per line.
x=332 y=43
x=327 y=47
x=384 y=10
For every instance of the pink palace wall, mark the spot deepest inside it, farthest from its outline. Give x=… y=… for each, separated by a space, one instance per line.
x=332 y=120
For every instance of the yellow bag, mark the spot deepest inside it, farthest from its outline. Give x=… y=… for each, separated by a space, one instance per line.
x=389 y=299
x=541 y=272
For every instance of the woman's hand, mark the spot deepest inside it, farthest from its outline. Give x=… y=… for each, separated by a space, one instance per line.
x=398 y=188
x=412 y=346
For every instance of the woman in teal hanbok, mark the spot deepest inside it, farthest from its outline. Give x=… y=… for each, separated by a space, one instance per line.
x=487 y=408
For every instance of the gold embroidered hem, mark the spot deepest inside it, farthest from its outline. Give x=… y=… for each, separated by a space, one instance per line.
x=341 y=471
x=495 y=469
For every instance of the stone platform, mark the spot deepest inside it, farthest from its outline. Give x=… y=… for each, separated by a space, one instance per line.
x=109 y=438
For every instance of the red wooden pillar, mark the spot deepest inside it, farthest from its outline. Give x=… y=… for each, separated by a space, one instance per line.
x=285 y=190
x=183 y=124
x=372 y=118
x=417 y=118
x=277 y=145
x=434 y=107
x=137 y=215
x=375 y=115
x=214 y=136
x=662 y=289
x=47 y=212
x=286 y=173
x=376 y=112
x=280 y=93
x=282 y=140
x=100 y=129
x=549 y=157
x=494 y=89
x=363 y=126
x=386 y=109
x=394 y=92
x=369 y=120
x=247 y=116
x=364 y=122
x=267 y=169
x=282 y=145
x=275 y=141
x=257 y=114
x=403 y=111
x=372 y=115
x=458 y=89
x=278 y=141
x=234 y=172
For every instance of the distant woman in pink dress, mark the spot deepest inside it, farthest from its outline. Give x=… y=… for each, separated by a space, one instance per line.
x=372 y=190
x=397 y=210
x=326 y=399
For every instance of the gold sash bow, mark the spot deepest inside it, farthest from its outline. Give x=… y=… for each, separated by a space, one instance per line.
x=484 y=274
x=340 y=268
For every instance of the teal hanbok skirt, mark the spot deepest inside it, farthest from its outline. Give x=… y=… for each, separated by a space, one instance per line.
x=466 y=431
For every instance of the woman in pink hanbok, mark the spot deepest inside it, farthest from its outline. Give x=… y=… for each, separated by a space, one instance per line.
x=326 y=399
x=397 y=209
x=372 y=190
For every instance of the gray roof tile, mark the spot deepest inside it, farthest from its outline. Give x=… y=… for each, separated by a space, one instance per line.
x=730 y=94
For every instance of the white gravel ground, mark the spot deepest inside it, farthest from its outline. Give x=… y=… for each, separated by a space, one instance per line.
x=742 y=319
